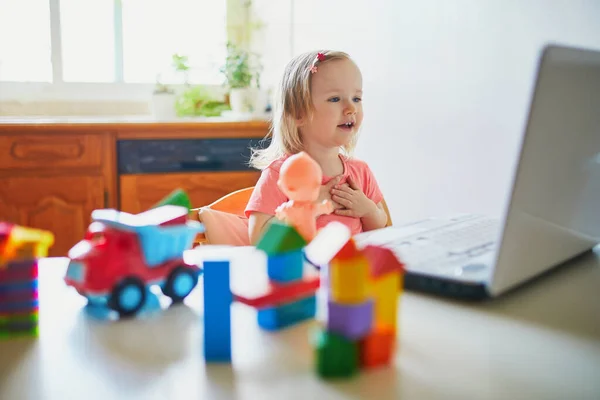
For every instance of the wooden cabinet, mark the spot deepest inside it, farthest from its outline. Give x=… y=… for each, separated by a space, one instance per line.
x=60 y=204
x=54 y=174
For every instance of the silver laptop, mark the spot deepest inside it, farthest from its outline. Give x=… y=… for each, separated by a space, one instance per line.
x=553 y=212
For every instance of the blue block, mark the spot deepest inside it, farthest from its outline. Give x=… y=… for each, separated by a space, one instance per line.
x=282 y=316
x=17 y=286
x=285 y=267
x=21 y=306
x=217 y=312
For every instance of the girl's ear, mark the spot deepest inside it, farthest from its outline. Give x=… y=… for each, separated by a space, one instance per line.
x=300 y=121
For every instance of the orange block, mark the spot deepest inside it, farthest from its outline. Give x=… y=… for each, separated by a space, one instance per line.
x=378 y=347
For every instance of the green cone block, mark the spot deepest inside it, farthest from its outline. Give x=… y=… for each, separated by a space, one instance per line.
x=280 y=238
x=336 y=356
x=176 y=198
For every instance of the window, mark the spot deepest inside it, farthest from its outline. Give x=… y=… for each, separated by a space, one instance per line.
x=153 y=30
x=87 y=33
x=111 y=41
x=25 y=41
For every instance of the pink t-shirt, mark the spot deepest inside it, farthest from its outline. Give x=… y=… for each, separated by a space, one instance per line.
x=267 y=196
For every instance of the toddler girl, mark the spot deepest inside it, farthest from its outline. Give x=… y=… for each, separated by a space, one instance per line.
x=318 y=110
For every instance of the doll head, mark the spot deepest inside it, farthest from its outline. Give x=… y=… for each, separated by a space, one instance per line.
x=300 y=177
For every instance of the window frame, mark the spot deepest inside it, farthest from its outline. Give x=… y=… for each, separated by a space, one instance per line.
x=59 y=90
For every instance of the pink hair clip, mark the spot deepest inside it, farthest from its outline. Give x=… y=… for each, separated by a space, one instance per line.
x=320 y=56
x=313 y=69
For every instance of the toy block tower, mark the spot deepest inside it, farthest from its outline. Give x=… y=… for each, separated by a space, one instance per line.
x=20 y=248
x=348 y=314
x=386 y=281
x=360 y=289
x=284 y=248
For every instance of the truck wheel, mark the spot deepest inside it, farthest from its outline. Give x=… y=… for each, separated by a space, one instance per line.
x=181 y=281
x=128 y=297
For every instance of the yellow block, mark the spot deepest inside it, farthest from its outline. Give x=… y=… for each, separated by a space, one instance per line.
x=349 y=280
x=26 y=244
x=386 y=293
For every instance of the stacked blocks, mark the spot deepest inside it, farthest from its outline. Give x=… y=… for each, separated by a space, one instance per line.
x=358 y=329
x=20 y=248
x=284 y=248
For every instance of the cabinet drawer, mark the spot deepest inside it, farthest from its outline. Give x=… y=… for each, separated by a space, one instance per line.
x=50 y=151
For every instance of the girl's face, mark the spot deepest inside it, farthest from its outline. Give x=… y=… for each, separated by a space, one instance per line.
x=336 y=90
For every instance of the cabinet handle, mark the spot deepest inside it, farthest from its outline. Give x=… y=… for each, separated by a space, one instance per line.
x=105 y=199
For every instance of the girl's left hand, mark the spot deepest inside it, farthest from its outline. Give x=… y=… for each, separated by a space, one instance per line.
x=355 y=202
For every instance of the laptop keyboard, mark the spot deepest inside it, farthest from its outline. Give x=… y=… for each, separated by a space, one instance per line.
x=448 y=243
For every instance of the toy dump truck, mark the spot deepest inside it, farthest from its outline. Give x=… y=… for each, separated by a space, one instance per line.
x=123 y=254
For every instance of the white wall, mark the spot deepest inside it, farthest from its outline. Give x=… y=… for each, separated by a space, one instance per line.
x=447 y=86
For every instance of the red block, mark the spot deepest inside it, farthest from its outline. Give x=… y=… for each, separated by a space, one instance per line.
x=281 y=293
x=378 y=347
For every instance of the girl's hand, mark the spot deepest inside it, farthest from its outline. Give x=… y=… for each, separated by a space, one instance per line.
x=355 y=203
x=325 y=192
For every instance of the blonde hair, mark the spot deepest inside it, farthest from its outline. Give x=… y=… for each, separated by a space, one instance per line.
x=292 y=102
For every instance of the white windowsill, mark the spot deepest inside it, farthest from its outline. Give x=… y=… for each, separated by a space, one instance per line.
x=25 y=92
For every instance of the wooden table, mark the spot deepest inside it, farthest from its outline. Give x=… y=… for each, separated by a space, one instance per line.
x=541 y=342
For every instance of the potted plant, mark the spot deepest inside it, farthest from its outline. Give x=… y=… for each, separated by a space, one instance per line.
x=195 y=100
x=242 y=76
x=163 y=100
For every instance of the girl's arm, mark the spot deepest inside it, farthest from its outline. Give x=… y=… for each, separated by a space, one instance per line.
x=376 y=219
x=257 y=222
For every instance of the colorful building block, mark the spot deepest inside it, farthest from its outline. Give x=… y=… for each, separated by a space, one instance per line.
x=285 y=267
x=336 y=356
x=280 y=238
x=9 y=288
x=352 y=321
x=386 y=283
x=19 y=271
x=328 y=242
x=377 y=348
x=385 y=291
x=349 y=251
x=177 y=197
x=19 y=243
x=217 y=311
x=349 y=280
x=277 y=294
x=382 y=261
x=282 y=316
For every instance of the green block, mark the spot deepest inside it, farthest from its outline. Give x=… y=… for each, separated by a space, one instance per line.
x=280 y=238
x=336 y=356
x=18 y=318
x=176 y=198
x=32 y=332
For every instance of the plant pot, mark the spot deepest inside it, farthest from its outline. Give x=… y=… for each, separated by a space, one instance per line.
x=247 y=100
x=163 y=106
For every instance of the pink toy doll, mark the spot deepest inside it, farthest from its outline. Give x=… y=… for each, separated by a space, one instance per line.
x=300 y=180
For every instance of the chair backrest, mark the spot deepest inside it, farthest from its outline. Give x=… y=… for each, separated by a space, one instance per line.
x=233 y=203
x=387 y=211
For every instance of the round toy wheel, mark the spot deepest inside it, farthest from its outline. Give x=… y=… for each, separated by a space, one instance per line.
x=128 y=297
x=181 y=281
